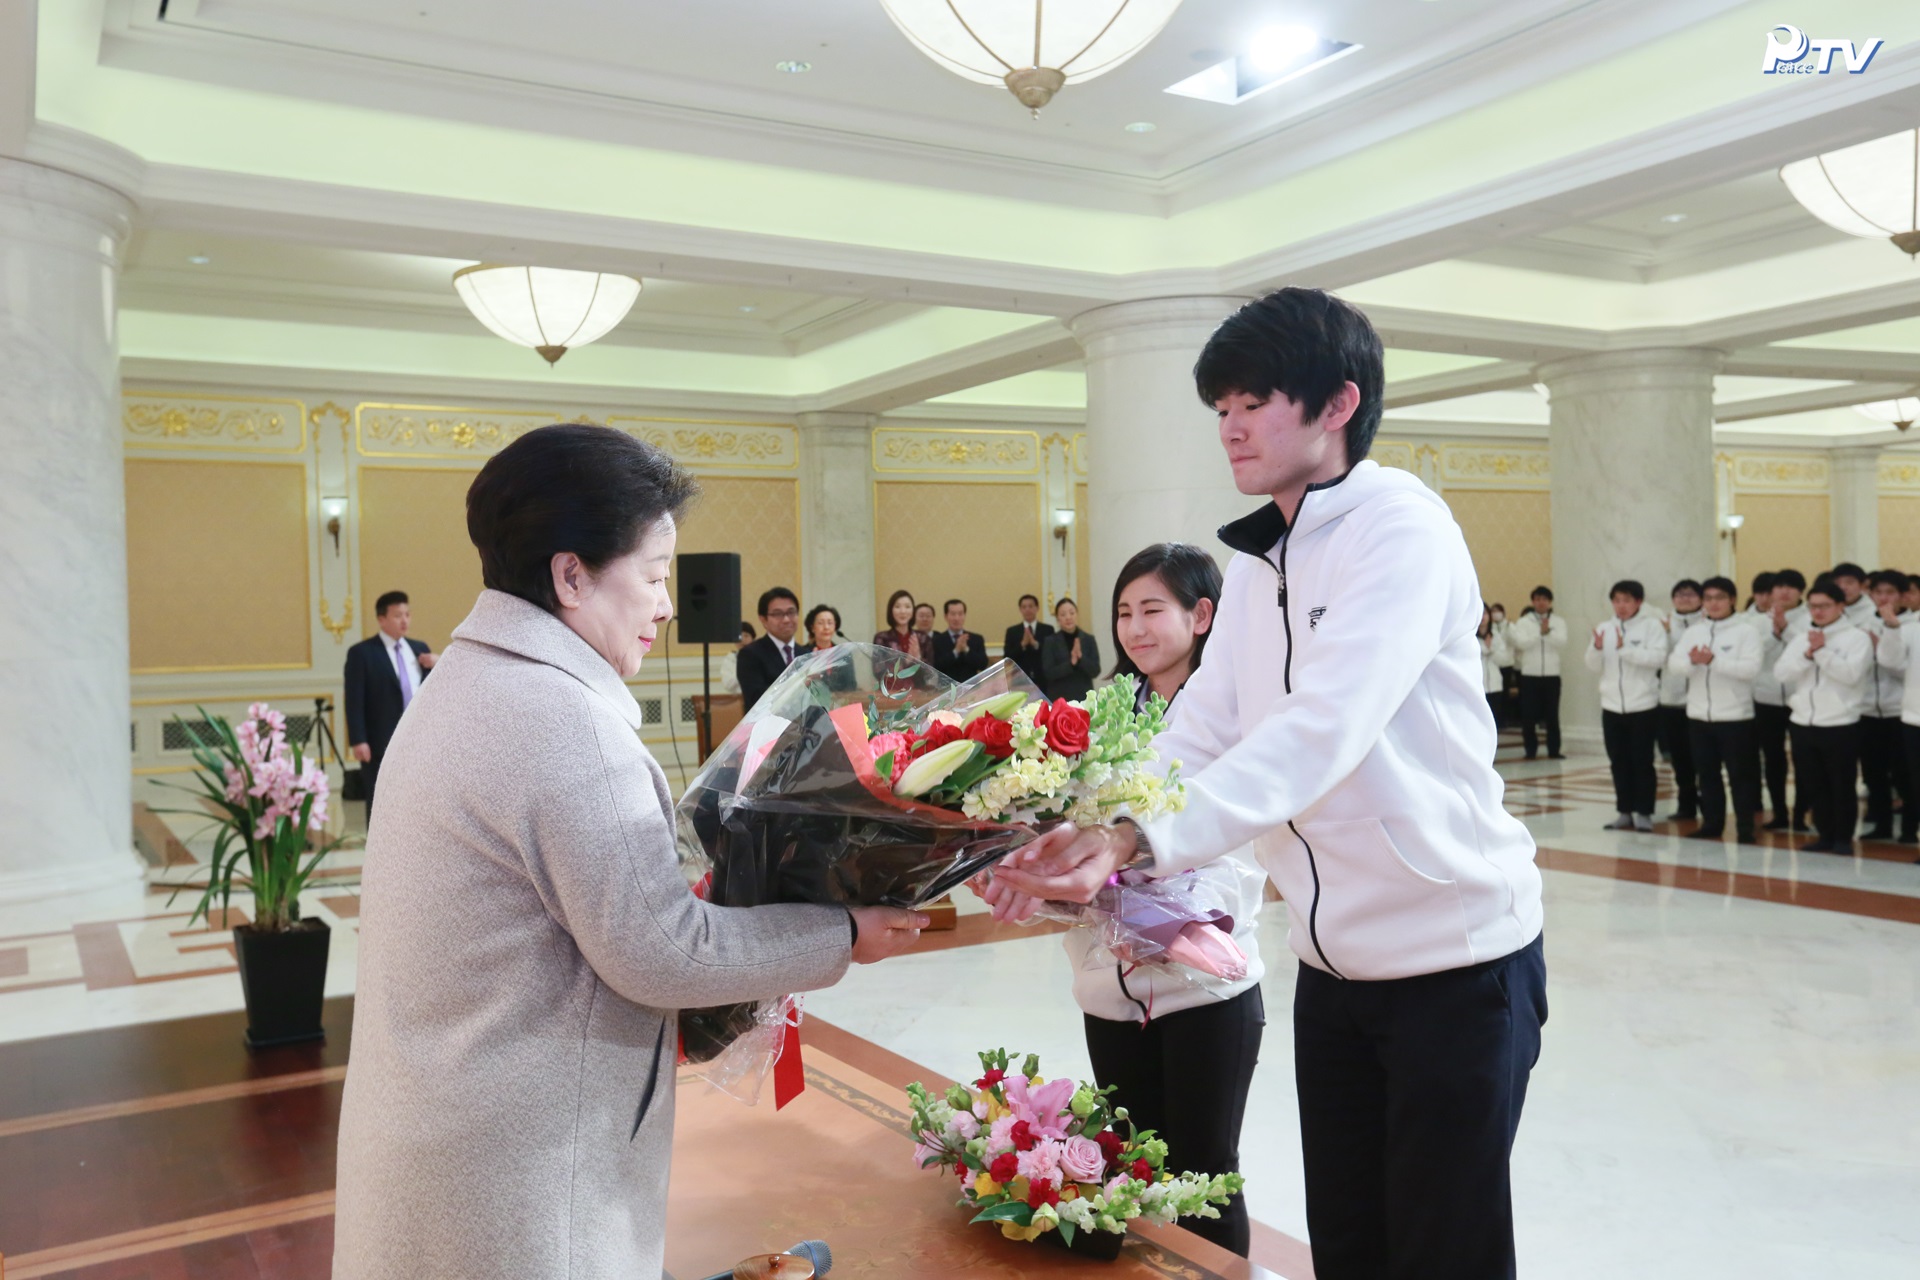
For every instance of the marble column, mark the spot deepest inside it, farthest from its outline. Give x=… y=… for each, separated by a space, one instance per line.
x=65 y=776
x=1631 y=446
x=1853 y=506
x=836 y=518
x=1155 y=470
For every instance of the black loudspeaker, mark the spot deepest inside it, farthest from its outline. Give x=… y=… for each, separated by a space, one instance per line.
x=709 y=605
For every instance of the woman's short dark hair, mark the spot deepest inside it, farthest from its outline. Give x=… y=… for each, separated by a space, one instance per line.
x=1189 y=573
x=819 y=609
x=746 y=629
x=1304 y=344
x=572 y=487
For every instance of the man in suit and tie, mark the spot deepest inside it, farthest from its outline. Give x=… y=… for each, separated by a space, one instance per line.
x=761 y=662
x=384 y=671
x=1023 y=638
x=958 y=652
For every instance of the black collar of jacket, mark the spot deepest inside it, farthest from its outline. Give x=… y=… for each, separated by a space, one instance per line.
x=1260 y=533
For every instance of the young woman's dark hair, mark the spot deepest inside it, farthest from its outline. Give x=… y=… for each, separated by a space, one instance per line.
x=590 y=490
x=1304 y=344
x=892 y=600
x=747 y=632
x=1190 y=574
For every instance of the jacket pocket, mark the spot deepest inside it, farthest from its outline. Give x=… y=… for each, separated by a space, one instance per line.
x=653 y=1081
x=1378 y=916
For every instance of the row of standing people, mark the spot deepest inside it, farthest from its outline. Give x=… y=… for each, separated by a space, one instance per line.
x=1817 y=672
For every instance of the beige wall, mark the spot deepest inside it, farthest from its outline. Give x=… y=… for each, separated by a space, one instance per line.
x=1900 y=532
x=1782 y=531
x=1082 y=561
x=413 y=538
x=759 y=518
x=217 y=565
x=1510 y=534
x=981 y=541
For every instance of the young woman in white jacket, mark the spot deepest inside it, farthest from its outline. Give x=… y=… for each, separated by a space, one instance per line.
x=1629 y=654
x=1181 y=1055
x=1719 y=658
x=1496 y=656
x=1824 y=670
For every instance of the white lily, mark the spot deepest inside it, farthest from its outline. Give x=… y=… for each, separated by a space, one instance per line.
x=1000 y=708
x=934 y=768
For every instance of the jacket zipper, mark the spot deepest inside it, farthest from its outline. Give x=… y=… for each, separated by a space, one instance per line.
x=1713 y=634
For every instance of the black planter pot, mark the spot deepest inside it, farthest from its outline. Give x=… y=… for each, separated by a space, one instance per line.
x=284 y=979
x=1101 y=1245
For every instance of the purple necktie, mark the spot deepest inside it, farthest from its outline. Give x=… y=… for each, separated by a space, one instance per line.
x=406 y=684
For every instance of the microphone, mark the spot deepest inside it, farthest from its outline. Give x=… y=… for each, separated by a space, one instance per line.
x=805 y=1260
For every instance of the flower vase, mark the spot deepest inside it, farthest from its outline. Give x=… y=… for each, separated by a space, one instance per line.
x=283 y=977
x=1101 y=1245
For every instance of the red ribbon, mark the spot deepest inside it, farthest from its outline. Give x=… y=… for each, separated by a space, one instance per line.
x=789 y=1075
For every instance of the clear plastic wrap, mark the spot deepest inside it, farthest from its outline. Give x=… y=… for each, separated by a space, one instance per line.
x=1180 y=925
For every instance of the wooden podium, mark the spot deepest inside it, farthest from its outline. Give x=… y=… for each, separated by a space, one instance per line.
x=727 y=712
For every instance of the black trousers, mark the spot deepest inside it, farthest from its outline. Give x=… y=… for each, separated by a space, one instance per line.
x=1629 y=738
x=1540 y=704
x=1727 y=744
x=1825 y=763
x=1186 y=1076
x=1676 y=734
x=1883 y=766
x=1910 y=741
x=1770 y=729
x=1410 y=1097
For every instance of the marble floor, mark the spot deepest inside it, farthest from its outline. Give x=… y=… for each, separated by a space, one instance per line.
x=1727 y=1088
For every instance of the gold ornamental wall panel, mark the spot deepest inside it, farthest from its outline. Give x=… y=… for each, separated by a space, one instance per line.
x=1783 y=531
x=1510 y=535
x=156 y=420
x=1082 y=535
x=919 y=451
x=1502 y=467
x=1900 y=473
x=217 y=569
x=976 y=541
x=1393 y=453
x=758 y=516
x=1795 y=473
x=450 y=432
x=702 y=445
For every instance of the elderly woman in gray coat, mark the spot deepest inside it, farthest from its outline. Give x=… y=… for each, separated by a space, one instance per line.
x=525 y=932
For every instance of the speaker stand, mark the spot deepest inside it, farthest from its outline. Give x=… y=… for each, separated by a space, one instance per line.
x=706 y=696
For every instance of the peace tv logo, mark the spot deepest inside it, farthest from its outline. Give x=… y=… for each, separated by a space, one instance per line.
x=1790 y=51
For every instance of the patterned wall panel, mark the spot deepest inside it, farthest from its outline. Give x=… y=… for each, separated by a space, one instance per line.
x=760 y=518
x=1900 y=473
x=217 y=569
x=437 y=431
x=154 y=420
x=413 y=538
x=1782 y=531
x=980 y=541
x=1796 y=473
x=1510 y=534
x=917 y=451
x=1503 y=466
x=1900 y=531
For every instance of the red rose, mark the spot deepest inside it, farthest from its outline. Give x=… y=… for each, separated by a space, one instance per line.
x=1142 y=1170
x=1005 y=1168
x=1039 y=1193
x=1110 y=1145
x=1067 y=727
x=938 y=734
x=995 y=735
x=1022 y=1136
x=993 y=1077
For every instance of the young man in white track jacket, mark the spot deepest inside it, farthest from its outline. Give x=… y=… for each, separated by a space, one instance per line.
x=1773 y=615
x=1676 y=738
x=1537 y=638
x=1883 y=762
x=1629 y=653
x=1825 y=670
x=1719 y=658
x=1900 y=649
x=1340 y=725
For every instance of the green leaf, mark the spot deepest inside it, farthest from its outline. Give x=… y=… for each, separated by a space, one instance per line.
x=1018 y=1212
x=883 y=764
x=1066 y=1230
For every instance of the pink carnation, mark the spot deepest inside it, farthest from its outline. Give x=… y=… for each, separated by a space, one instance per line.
x=922 y=1154
x=882 y=743
x=1000 y=1136
x=1043 y=1162
x=963 y=1127
x=1081 y=1159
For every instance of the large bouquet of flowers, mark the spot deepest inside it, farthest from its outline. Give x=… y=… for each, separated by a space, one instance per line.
x=865 y=777
x=1038 y=1156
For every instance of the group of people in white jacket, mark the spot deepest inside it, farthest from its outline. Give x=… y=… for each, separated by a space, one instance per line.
x=1724 y=690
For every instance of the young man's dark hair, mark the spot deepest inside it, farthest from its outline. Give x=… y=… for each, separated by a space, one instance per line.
x=1627 y=587
x=1847 y=569
x=1790 y=578
x=1726 y=586
x=1304 y=344
x=1032 y=597
x=1887 y=577
x=776 y=593
x=1685 y=584
x=949 y=604
x=1825 y=585
x=1763 y=583
x=1537 y=592
x=387 y=601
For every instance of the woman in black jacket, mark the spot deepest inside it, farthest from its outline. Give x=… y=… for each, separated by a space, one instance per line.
x=1069 y=658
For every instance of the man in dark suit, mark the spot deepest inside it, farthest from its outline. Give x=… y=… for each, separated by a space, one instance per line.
x=761 y=662
x=384 y=671
x=1023 y=638
x=958 y=652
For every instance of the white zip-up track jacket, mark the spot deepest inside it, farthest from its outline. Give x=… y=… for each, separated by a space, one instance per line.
x=1631 y=656
x=1720 y=691
x=1340 y=725
x=1534 y=652
x=1827 y=689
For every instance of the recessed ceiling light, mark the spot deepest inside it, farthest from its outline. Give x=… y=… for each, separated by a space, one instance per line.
x=1142 y=126
x=1674 y=217
x=199 y=259
x=793 y=66
x=749 y=308
x=1278 y=47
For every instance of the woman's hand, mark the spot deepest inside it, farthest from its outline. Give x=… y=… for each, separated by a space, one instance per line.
x=885 y=931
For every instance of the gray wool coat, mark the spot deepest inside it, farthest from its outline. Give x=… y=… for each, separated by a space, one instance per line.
x=525 y=936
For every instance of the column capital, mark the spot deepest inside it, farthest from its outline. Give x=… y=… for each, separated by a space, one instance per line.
x=1151 y=324
x=1857 y=455
x=52 y=206
x=1647 y=367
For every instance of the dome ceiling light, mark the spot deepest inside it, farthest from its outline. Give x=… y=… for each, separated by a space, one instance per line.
x=1902 y=413
x=1870 y=190
x=546 y=308
x=1034 y=47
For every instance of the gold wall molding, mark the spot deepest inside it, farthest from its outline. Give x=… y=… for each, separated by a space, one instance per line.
x=445 y=431
x=1900 y=473
x=1393 y=453
x=1806 y=473
x=1079 y=453
x=696 y=443
x=918 y=451
x=158 y=420
x=1472 y=466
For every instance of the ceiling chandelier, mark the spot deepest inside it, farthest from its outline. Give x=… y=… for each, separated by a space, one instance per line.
x=546 y=308
x=1902 y=413
x=1871 y=190
x=1034 y=47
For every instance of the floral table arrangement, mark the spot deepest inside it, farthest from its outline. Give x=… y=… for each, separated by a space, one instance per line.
x=1054 y=1158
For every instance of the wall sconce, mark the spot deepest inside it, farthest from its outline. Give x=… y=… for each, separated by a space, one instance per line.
x=1062 y=522
x=1730 y=524
x=334 y=509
